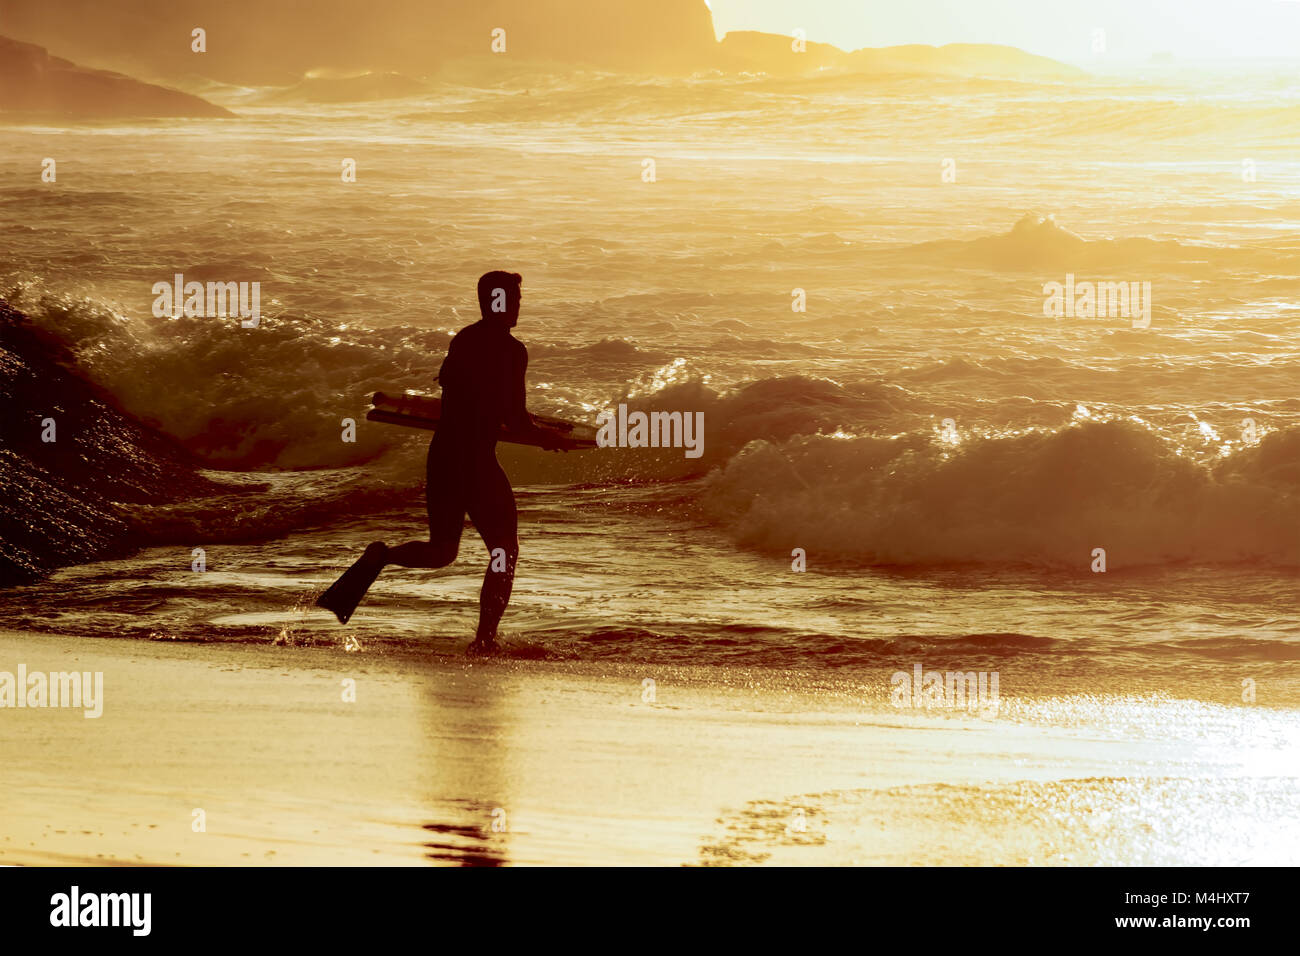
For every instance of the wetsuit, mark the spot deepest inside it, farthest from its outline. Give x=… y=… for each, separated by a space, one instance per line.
x=483 y=388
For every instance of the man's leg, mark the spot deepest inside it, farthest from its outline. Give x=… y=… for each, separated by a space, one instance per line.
x=492 y=509
x=423 y=554
x=346 y=593
x=444 y=494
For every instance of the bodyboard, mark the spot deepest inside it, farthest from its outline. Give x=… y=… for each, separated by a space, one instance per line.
x=421 y=411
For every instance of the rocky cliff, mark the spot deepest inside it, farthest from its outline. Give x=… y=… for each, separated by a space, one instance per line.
x=68 y=457
x=33 y=82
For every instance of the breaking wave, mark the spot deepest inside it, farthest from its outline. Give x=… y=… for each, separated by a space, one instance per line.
x=1046 y=498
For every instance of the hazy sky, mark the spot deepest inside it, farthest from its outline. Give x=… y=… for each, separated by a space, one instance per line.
x=1063 y=29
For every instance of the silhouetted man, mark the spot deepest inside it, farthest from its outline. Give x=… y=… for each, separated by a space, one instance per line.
x=482 y=381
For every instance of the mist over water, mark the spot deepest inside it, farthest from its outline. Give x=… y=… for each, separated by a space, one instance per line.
x=825 y=429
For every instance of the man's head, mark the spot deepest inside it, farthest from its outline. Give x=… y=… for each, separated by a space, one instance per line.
x=498 y=297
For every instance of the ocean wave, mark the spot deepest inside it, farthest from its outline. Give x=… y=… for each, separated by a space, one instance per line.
x=273 y=398
x=845 y=468
x=277 y=399
x=1042 y=499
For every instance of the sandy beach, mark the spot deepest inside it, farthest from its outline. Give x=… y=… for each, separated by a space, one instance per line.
x=508 y=761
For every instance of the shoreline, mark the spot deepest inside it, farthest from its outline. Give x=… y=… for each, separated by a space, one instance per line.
x=473 y=762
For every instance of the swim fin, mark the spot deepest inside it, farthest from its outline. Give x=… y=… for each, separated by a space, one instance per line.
x=343 y=596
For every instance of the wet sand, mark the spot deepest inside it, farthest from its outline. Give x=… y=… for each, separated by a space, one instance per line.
x=515 y=761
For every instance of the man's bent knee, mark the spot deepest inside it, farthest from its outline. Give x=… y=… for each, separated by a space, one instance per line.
x=444 y=553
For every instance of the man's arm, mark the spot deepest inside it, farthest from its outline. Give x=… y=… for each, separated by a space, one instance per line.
x=447 y=370
x=517 y=417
